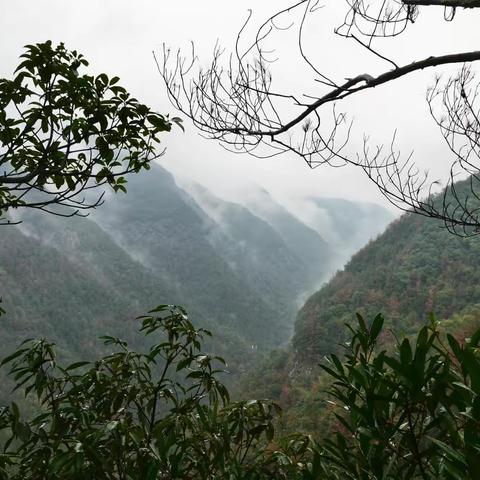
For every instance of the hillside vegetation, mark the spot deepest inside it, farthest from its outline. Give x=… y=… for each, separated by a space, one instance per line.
x=415 y=267
x=71 y=279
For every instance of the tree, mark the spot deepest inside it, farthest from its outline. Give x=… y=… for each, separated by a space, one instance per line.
x=159 y=414
x=164 y=413
x=63 y=132
x=237 y=103
x=412 y=413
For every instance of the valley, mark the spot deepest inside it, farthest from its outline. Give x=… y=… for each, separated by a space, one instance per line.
x=240 y=272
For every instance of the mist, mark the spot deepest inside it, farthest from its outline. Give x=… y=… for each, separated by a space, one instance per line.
x=118 y=37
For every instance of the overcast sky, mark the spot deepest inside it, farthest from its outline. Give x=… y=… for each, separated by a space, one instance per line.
x=118 y=36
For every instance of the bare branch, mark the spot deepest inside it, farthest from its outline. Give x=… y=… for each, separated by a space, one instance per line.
x=238 y=106
x=444 y=3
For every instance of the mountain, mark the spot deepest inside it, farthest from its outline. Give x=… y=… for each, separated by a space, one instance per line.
x=271 y=248
x=66 y=280
x=239 y=271
x=72 y=279
x=414 y=268
x=344 y=224
x=323 y=232
x=354 y=222
x=309 y=245
x=163 y=227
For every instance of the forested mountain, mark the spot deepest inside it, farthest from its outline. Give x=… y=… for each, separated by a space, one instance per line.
x=66 y=280
x=415 y=267
x=352 y=224
x=322 y=232
x=270 y=246
x=164 y=228
x=239 y=274
x=344 y=223
x=309 y=245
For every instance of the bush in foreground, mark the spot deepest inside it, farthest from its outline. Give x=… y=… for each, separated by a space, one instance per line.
x=165 y=414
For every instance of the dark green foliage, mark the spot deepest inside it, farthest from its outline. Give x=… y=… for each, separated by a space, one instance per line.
x=62 y=131
x=162 y=414
x=410 y=414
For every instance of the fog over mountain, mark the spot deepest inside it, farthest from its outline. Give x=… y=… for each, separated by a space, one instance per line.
x=347 y=225
x=242 y=271
x=311 y=255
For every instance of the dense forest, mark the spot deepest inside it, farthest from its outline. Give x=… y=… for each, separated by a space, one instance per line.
x=238 y=275
x=411 y=271
x=414 y=268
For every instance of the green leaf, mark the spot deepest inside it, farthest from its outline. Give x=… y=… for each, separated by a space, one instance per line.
x=76 y=365
x=152 y=471
x=361 y=322
x=112 y=425
x=376 y=327
x=406 y=352
x=179 y=122
x=454 y=345
x=475 y=339
x=450 y=452
x=13 y=356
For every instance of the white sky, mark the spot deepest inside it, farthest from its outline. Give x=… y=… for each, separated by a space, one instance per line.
x=118 y=36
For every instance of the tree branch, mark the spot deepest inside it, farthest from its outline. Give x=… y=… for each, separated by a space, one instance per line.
x=4 y=179
x=370 y=82
x=444 y=3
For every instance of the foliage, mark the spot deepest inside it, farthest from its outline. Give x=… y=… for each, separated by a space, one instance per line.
x=411 y=414
x=159 y=414
x=62 y=132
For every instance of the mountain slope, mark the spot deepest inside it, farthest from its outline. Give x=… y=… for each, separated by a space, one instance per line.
x=354 y=223
x=413 y=268
x=308 y=245
x=259 y=251
x=53 y=291
x=67 y=280
x=344 y=224
x=163 y=227
x=71 y=279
